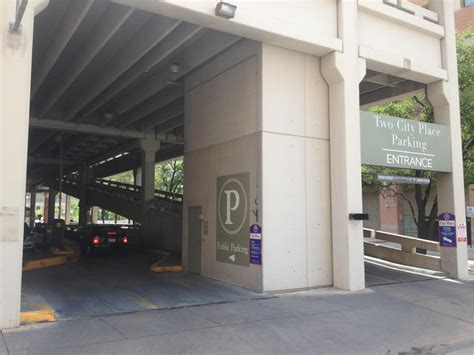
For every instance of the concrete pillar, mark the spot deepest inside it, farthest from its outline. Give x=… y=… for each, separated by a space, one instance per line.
x=67 y=209
x=45 y=207
x=83 y=205
x=148 y=147
x=32 y=209
x=15 y=74
x=343 y=73
x=95 y=214
x=137 y=176
x=51 y=205
x=444 y=96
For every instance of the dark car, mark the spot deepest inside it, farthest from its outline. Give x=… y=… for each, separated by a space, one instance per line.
x=102 y=238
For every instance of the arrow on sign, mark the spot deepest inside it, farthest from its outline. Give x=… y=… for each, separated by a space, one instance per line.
x=232 y=257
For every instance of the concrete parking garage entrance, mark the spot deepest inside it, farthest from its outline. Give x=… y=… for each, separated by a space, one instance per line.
x=265 y=107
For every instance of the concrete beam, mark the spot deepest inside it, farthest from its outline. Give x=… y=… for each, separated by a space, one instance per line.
x=51 y=161
x=152 y=104
x=152 y=33
x=175 y=109
x=77 y=10
x=200 y=51
x=391 y=93
x=181 y=35
x=100 y=131
x=110 y=24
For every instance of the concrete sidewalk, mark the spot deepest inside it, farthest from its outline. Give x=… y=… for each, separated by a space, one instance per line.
x=434 y=316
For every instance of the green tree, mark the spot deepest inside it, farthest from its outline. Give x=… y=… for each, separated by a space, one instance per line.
x=169 y=176
x=419 y=108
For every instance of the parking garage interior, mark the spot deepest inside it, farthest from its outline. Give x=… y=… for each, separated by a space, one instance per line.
x=114 y=89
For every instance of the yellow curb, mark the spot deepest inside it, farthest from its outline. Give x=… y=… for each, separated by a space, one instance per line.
x=66 y=251
x=166 y=268
x=48 y=262
x=42 y=314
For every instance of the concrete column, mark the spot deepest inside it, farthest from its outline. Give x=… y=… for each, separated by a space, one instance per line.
x=51 y=205
x=444 y=96
x=15 y=74
x=83 y=205
x=94 y=214
x=343 y=73
x=148 y=147
x=32 y=209
x=67 y=209
x=45 y=207
x=137 y=176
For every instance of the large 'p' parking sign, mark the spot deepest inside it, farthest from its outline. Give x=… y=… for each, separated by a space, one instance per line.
x=232 y=239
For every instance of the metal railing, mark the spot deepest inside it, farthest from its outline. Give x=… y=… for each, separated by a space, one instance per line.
x=137 y=189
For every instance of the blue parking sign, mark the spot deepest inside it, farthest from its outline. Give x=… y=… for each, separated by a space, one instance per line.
x=447 y=230
x=256 y=244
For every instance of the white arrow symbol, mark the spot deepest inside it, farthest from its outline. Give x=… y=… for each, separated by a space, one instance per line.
x=232 y=257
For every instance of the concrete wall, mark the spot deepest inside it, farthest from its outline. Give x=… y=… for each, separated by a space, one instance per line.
x=221 y=129
x=244 y=112
x=295 y=171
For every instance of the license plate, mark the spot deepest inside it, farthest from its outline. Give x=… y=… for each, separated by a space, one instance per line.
x=111 y=240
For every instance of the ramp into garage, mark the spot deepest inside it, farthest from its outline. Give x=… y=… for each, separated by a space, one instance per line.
x=120 y=284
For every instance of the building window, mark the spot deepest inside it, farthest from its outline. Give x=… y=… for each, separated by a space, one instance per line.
x=468 y=3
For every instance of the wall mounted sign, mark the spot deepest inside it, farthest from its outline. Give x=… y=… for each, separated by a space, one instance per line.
x=400 y=143
x=256 y=244
x=447 y=230
x=232 y=237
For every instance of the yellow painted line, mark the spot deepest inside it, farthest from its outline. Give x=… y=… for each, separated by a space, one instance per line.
x=142 y=301
x=48 y=262
x=66 y=251
x=166 y=268
x=43 y=313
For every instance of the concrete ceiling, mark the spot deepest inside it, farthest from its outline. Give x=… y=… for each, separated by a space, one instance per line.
x=105 y=75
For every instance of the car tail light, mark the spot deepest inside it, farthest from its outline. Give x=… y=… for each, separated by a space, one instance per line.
x=95 y=240
x=125 y=240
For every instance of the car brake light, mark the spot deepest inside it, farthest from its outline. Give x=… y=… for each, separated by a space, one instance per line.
x=125 y=240
x=96 y=240
x=111 y=233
